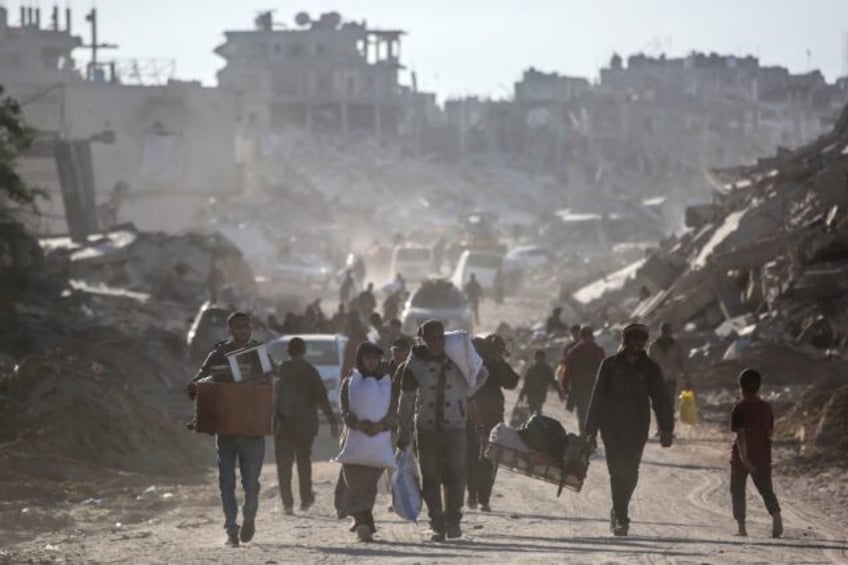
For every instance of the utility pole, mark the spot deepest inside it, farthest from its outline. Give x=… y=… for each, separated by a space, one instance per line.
x=91 y=18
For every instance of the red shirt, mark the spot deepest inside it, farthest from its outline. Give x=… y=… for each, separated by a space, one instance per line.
x=753 y=415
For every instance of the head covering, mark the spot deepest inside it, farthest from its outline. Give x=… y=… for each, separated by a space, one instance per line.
x=636 y=329
x=363 y=349
x=498 y=343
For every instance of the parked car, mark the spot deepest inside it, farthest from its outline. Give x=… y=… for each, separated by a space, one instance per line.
x=414 y=263
x=208 y=328
x=527 y=258
x=324 y=351
x=303 y=270
x=483 y=264
x=436 y=299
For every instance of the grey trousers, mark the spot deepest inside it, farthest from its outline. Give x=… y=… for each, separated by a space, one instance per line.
x=442 y=457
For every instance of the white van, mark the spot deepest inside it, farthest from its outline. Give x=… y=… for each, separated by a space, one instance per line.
x=483 y=264
x=414 y=263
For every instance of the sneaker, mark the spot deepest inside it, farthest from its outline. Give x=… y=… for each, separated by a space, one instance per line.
x=620 y=529
x=454 y=531
x=363 y=533
x=485 y=508
x=438 y=537
x=232 y=540
x=776 y=526
x=247 y=531
x=288 y=511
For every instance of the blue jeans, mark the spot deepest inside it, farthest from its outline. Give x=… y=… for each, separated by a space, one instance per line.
x=249 y=453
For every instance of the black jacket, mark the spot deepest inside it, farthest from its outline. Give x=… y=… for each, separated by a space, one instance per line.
x=487 y=405
x=300 y=392
x=218 y=358
x=622 y=399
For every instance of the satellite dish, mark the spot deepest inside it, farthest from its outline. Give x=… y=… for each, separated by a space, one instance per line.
x=302 y=19
x=333 y=19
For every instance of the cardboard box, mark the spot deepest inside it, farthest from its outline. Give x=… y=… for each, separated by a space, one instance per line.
x=234 y=409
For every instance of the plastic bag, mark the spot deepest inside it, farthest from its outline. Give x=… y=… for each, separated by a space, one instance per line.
x=687 y=408
x=406 y=486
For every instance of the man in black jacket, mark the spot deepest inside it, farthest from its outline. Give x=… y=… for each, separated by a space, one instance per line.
x=300 y=393
x=628 y=385
x=246 y=452
x=485 y=411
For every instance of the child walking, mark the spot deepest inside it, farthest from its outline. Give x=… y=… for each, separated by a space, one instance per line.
x=369 y=411
x=538 y=379
x=753 y=422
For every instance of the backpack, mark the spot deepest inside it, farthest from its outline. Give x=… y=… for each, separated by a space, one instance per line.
x=541 y=433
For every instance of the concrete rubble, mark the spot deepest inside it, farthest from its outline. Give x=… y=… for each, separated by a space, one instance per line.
x=767 y=257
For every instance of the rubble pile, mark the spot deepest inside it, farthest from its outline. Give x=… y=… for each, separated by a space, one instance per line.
x=767 y=260
x=171 y=267
x=92 y=375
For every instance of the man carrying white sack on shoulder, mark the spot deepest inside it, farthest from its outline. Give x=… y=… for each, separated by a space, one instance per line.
x=369 y=414
x=435 y=389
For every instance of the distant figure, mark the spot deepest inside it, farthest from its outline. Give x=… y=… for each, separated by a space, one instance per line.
x=339 y=319
x=356 y=333
x=498 y=287
x=581 y=368
x=554 y=326
x=300 y=393
x=671 y=358
x=753 y=422
x=629 y=383
x=391 y=305
x=359 y=267
x=382 y=340
x=538 y=379
x=474 y=294
x=367 y=302
x=346 y=290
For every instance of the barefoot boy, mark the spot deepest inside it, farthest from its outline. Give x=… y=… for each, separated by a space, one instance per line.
x=753 y=422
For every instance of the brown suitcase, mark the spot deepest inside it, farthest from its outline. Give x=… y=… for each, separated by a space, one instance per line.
x=233 y=409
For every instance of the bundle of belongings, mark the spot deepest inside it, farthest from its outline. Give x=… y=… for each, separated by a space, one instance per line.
x=541 y=449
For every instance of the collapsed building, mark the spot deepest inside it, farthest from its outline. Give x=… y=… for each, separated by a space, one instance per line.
x=323 y=75
x=116 y=142
x=767 y=258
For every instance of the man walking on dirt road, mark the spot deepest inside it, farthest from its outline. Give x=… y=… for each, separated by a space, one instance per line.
x=485 y=411
x=246 y=451
x=581 y=367
x=300 y=393
x=628 y=384
x=433 y=403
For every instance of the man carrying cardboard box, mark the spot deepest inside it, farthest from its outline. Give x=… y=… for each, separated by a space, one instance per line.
x=247 y=451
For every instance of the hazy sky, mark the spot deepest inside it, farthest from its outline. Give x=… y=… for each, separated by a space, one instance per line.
x=482 y=46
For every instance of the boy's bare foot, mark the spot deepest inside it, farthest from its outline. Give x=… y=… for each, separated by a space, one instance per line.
x=776 y=526
x=742 y=532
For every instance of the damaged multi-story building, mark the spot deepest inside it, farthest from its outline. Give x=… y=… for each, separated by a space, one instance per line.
x=321 y=75
x=115 y=142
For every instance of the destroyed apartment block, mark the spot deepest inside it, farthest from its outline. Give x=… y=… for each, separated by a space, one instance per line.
x=773 y=246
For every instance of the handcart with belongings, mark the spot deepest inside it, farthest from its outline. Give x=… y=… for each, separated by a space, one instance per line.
x=540 y=449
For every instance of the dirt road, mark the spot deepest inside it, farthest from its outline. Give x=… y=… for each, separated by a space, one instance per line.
x=680 y=512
